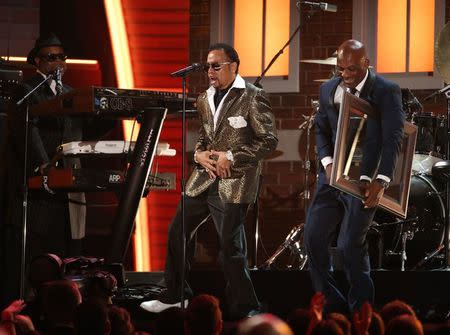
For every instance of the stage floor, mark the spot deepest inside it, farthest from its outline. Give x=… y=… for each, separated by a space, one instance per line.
x=282 y=291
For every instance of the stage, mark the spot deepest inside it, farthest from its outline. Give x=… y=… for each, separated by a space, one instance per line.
x=282 y=291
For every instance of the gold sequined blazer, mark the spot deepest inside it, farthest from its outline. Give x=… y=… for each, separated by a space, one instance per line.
x=246 y=126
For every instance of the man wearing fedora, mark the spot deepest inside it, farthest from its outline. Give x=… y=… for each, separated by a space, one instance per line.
x=55 y=221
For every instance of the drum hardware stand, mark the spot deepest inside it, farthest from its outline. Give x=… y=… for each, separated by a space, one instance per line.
x=307 y=124
x=406 y=235
x=294 y=240
x=293 y=243
x=428 y=257
x=256 y=223
x=447 y=184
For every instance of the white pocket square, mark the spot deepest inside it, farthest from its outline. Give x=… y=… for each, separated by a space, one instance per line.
x=237 y=122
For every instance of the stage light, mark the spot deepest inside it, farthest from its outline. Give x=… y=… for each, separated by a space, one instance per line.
x=125 y=79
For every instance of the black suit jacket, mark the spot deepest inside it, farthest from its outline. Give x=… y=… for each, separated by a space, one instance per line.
x=45 y=135
x=383 y=134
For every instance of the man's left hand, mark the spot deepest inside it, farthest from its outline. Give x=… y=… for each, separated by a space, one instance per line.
x=223 y=165
x=373 y=194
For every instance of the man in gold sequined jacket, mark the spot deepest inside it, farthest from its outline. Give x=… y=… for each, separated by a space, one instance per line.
x=237 y=130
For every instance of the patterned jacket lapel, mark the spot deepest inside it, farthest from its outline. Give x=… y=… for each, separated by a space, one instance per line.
x=205 y=115
x=230 y=99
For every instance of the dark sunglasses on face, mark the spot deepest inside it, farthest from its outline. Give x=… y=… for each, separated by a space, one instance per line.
x=53 y=57
x=215 y=66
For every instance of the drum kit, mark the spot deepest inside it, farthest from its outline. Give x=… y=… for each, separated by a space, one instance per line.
x=417 y=242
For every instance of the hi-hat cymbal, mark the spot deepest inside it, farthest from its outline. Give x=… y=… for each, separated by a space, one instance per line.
x=326 y=61
x=442 y=53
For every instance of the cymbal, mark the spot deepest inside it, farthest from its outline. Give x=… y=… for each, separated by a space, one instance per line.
x=326 y=61
x=320 y=80
x=274 y=154
x=442 y=53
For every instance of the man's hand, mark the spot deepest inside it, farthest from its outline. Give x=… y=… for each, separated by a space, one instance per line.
x=223 y=165
x=14 y=308
x=24 y=323
x=373 y=194
x=204 y=159
x=316 y=306
x=363 y=186
x=315 y=310
x=362 y=319
x=328 y=169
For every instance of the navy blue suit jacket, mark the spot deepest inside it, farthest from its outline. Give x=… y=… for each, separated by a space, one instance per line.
x=383 y=134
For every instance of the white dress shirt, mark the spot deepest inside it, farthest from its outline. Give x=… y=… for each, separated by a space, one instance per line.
x=51 y=83
x=239 y=82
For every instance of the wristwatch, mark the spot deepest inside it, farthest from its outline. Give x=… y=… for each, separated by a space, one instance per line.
x=383 y=183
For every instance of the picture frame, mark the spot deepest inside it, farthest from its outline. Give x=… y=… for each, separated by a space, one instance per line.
x=348 y=152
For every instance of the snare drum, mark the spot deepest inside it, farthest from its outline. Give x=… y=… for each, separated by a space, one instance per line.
x=422 y=163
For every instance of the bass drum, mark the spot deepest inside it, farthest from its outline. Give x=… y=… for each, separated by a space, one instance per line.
x=425 y=234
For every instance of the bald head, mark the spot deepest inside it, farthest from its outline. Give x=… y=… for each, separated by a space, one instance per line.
x=352 y=62
x=352 y=47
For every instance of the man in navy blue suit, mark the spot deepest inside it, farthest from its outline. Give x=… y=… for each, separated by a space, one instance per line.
x=332 y=208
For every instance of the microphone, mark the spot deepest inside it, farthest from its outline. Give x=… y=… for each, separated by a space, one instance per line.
x=442 y=90
x=326 y=7
x=58 y=79
x=186 y=70
x=58 y=75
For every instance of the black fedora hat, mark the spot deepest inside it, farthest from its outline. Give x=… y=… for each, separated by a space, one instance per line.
x=43 y=41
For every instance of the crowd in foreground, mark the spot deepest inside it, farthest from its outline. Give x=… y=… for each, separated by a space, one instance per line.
x=60 y=308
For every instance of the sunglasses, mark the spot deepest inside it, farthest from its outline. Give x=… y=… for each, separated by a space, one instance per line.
x=215 y=66
x=53 y=57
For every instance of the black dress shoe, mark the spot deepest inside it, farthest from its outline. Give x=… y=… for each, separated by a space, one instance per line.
x=169 y=298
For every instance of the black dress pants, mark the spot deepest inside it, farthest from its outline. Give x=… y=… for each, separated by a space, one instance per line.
x=229 y=221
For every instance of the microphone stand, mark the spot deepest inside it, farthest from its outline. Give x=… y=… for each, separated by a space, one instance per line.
x=183 y=73
x=299 y=28
x=25 y=187
x=183 y=193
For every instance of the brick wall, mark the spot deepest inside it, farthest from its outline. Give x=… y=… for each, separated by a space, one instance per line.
x=19 y=26
x=282 y=205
